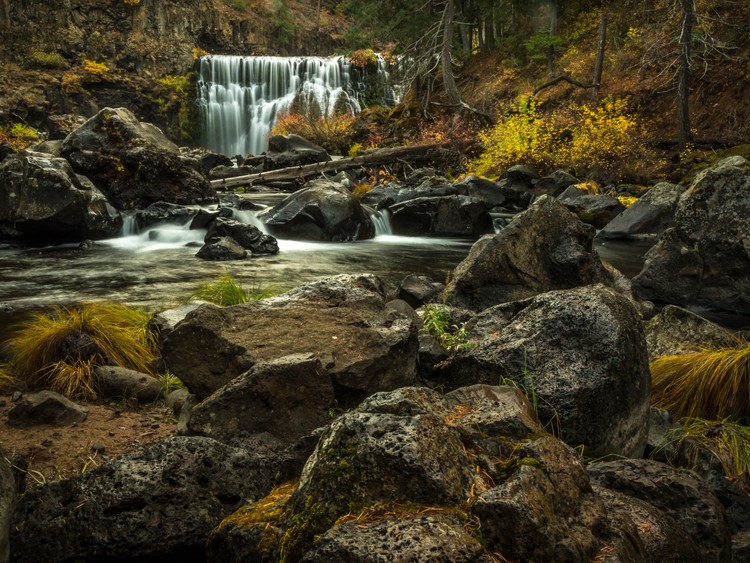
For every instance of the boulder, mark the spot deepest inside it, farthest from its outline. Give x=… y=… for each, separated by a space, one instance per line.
x=133 y=163
x=680 y=494
x=45 y=407
x=290 y=150
x=204 y=217
x=580 y=353
x=487 y=191
x=163 y=212
x=117 y=382
x=166 y=320
x=288 y=398
x=220 y=249
x=247 y=236
x=210 y=160
x=7 y=504
x=418 y=290
x=704 y=259
x=322 y=211
x=383 y=196
x=554 y=184
x=343 y=321
x=544 y=248
x=650 y=215
x=438 y=537
x=596 y=210
x=546 y=510
x=44 y=200
x=675 y=331
x=156 y=504
x=449 y=216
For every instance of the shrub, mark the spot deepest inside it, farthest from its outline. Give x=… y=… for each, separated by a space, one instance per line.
x=710 y=384
x=18 y=135
x=40 y=350
x=334 y=133
x=237 y=4
x=95 y=68
x=45 y=59
x=363 y=57
x=437 y=322
x=228 y=291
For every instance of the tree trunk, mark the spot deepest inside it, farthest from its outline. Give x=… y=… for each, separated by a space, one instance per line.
x=317 y=18
x=553 y=17
x=599 y=66
x=449 y=81
x=685 y=135
x=464 y=30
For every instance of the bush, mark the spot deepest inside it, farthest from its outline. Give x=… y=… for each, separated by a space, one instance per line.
x=450 y=336
x=18 y=135
x=228 y=291
x=41 y=350
x=45 y=59
x=363 y=57
x=335 y=134
x=710 y=384
x=95 y=68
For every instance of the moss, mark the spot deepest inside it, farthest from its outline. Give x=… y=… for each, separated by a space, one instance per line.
x=302 y=530
x=268 y=509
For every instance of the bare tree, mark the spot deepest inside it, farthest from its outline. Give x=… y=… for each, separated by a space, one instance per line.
x=685 y=135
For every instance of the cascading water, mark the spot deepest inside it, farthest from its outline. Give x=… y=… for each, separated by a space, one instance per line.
x=240 y=97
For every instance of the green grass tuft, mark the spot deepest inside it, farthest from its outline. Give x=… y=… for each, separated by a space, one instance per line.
x=123 y=336
x=452 y=338
x=228 y=291
x=709 y=384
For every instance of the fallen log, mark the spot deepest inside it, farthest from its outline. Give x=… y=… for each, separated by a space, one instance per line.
x=372 y=158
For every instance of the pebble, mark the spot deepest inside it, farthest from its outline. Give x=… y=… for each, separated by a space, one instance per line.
x=15 y=396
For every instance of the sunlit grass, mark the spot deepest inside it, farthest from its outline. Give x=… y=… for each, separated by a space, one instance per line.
x=710 y=384
x=228 y=291
x=123 y=337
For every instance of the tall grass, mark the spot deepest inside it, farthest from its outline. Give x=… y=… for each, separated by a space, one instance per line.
x=122 y=336
x=228 y=291
x=710 y=384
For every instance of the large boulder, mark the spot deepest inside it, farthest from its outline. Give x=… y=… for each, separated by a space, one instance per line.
x=544 y=248
x=322 y=211
x=133 y=163
x=449 y=216
x=650 y=215
x=674 y=331
x=705 y=258
x=681 y=495
x=156 y=504
x=164 y=212
x=364 y=345
x=594 y=209
x=247 y=236
x=289 y=150
x=580 y=353
x=41 y=198
x=287 y=398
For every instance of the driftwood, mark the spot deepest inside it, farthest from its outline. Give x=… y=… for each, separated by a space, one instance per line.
x=373 y=158
x=564 y=78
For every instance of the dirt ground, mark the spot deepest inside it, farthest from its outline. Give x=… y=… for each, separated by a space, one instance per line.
x=110 y=429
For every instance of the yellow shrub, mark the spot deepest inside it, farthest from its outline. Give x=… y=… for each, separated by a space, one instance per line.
x=18 y=135
x=333 y=133
x=627 y=200
x=363 y=57
x=524 y=136
x=95 y=68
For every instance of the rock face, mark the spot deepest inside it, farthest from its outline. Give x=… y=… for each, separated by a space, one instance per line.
x=582 y=352
x=42 y=198
x=45 y=407
x=449 y=216
x=153 y=505
x=7 y=504
x=287 y=398
x=343 y=321
x=681 y=495
x=542 y=249
x=651 y=214
x=133 y=163
x=322 y=211
x=705 y=258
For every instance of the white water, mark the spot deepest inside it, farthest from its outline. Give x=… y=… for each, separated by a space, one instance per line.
x=241 y=97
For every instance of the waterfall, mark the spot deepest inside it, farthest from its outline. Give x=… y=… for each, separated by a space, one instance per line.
x=240 y=97
x=381 y=220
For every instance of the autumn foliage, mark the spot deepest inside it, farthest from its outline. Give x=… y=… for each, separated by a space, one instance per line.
x=334 y=133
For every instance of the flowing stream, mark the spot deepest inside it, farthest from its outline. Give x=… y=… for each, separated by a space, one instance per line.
x=241 y=97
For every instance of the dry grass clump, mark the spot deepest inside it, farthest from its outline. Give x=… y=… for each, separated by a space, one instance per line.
x=61 y=348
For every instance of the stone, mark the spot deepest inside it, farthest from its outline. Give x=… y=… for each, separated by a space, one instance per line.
x=222 y=249
x=7 y=504
x=288 y=398
x=680 y=494
x=322 y=211
x=176 y=399
x=554 y=184
x=593 y=209
x=343 y=321
x=448 y=216
x=46 y=202
x=158 y=503
x=580 y=352
x=133 y=163
x=675 y=331
x=487 y=191
x=121 y=383
x=45 y=407
x=417 y=290
x=163 y=212
x=546 y=510
x=292 y=150
x=247 y=236
x=204 y=217
x=544 y=248
x=705 y=258
x=166 y=320
x=649 y=215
